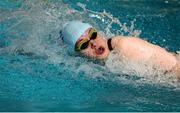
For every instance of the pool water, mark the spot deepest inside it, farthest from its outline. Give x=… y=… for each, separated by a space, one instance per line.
x=39 y=73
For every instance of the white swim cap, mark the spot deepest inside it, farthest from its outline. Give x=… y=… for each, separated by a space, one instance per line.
x=73 y=30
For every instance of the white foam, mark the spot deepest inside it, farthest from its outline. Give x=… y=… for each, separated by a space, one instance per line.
x=43 y=21
x=148 y=73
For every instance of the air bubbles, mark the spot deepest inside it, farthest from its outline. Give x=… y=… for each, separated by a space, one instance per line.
x=166 y=1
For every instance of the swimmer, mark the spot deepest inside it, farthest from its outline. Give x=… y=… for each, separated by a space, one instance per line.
x=85 y=39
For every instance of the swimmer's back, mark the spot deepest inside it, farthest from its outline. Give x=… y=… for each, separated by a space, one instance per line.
x=140 y=50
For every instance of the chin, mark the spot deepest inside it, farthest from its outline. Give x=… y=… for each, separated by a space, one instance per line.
x=102 y=57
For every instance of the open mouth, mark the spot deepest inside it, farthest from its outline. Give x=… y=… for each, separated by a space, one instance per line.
x=100 y=50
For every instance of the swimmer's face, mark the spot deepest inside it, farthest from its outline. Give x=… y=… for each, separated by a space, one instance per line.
x=96 y=47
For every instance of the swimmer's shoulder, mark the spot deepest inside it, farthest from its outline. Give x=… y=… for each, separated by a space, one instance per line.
x=116 y=40
x=132 y=48
x=127 y=40
x=120 y=40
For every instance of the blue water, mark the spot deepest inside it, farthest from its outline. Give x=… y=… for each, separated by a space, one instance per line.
x=39 y=73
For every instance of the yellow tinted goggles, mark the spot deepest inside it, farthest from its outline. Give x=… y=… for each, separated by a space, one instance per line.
x=83 y=44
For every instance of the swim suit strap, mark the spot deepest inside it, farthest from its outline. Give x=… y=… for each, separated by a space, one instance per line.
x=109 y=44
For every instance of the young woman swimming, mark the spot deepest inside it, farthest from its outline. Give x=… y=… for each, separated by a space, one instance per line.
x=87 y=41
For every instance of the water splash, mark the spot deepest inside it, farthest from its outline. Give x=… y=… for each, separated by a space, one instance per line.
x=122 y=67
x=36 y=33
x=108 y=19
x=147 y=73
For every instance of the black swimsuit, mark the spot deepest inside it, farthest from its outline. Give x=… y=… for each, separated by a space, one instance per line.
x=109 y=44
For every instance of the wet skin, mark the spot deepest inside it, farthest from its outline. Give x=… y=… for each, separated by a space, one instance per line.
x=134 y=49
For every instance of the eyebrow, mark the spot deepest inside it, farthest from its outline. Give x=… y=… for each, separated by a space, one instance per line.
x=78 y=41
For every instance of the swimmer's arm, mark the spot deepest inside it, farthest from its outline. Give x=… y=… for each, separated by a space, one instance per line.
x=137 y=49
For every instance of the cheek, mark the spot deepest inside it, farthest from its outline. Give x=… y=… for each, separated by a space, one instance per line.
x=89 y=52
x=101 y=41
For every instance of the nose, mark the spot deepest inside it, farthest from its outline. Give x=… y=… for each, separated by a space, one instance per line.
x=93 y=44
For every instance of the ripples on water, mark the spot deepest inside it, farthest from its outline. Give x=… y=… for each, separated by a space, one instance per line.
x=33 y=29
x=30 y=44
